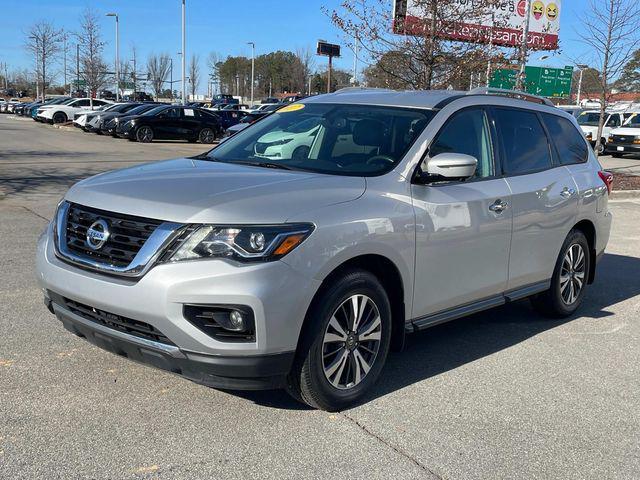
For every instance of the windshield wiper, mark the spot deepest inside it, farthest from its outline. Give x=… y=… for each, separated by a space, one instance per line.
x=279 y=166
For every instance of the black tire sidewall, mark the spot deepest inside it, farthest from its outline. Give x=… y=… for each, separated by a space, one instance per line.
x=59 y=115
x=558 y=304
x=315 y=388
x=138 y=134
x=204 y=130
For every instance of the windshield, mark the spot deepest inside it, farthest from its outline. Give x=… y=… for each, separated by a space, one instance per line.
x=358 y=140
x=590 y=119
x=140 y=109
x=633 y=121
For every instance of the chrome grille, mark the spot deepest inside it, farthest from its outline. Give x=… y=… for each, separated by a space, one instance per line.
x=127 y=235
x=623 y=139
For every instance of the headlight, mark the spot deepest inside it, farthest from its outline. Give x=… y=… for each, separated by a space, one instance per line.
x=243 y=243
x=610 y=139
x=589 y=136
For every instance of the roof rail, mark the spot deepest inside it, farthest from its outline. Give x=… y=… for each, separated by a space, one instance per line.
x=362 y=89
x=512 y=94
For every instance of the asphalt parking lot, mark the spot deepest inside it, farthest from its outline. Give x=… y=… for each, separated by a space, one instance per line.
x=502 y=394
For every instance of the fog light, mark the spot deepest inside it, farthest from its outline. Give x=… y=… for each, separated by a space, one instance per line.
x=236 y=320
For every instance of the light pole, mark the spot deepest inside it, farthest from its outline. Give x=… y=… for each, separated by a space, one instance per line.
x=253 y=61
x=581 y=66
x=523 y=48
x=117 y=55
x=184 y=50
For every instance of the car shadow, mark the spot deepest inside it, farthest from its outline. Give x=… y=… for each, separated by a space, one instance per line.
x=445 y=347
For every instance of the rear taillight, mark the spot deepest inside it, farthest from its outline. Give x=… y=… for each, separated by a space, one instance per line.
x=607 y=178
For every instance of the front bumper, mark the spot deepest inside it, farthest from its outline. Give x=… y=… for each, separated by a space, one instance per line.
x=277 y=294
x=256 y=372
x=622 y=148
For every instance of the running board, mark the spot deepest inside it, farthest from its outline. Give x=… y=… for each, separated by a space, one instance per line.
x=475 y=307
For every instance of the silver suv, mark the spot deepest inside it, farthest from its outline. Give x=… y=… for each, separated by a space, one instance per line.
x=298 y=252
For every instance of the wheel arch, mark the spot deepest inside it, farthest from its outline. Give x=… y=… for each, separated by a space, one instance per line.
x=386 y=271
x=589 y=230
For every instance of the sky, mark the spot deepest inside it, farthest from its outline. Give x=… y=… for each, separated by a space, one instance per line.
x=222 y=26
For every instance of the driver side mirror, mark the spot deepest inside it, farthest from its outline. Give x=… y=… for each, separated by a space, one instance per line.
x=448 y=167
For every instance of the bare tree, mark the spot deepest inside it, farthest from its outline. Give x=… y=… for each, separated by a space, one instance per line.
x=303 y=68
x=158 y=70
x=611 y=32
x=93 y=66
x=213 y=64
x=423 y=56
x=194 y=73
x=44 y=41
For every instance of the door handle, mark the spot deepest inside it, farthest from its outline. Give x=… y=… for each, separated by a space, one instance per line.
x=567 y=192
x=498 y=206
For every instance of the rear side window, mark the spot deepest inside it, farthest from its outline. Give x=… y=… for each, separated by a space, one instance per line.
x=526 y=148
x=568 y=140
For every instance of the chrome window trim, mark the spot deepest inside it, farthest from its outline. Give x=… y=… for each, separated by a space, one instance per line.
x=162 y=236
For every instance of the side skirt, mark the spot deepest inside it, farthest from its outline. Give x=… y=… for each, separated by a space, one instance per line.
x=475 y=307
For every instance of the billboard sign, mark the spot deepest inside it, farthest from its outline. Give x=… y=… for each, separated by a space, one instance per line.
x=328 y=49
x=500 y=22
x=542 y=81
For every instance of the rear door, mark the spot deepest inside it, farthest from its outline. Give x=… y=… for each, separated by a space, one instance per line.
x=544 y=196
x=462 y=237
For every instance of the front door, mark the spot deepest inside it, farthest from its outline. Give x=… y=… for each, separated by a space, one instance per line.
x=463 y=229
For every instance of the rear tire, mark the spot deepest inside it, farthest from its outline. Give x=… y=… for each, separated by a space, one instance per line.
x=616 y=155
x=337 y=364
x=569 y=280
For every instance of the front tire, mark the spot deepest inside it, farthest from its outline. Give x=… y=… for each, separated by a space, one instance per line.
x=345 y=343
x=144 y=134
x=59 y=117
x=569 y=280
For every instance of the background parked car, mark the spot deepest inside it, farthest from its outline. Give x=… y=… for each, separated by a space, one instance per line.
x=588 y=121
x=95 y=120
x=171 y=122
x=245 y=121
x=65 y=111
x=110 y=126
x=33 y=109
x=227 y=118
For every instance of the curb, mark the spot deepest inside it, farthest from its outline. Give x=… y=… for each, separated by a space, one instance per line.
x=624 y=194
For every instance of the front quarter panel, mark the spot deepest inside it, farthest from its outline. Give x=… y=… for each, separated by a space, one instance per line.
x=380 y=222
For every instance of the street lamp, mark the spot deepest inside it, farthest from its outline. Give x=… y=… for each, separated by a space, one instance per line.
x=582 y=67
x=184 y=50
x=253 y=58
x=117 y=55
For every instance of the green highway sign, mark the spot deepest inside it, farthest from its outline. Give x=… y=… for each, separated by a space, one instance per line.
x=543 y=81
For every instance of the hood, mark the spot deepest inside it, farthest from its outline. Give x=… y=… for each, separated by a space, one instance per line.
x=588 y=129
x=200 y=191
x=627 y=131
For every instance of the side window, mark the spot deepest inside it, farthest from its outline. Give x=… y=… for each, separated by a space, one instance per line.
x=568 y=140
x=81 y=103
x=526 y=147
x=173 y=113
x=467 y=132
x=613 y=121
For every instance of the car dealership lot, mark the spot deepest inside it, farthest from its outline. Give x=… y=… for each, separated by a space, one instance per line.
x=503 y=394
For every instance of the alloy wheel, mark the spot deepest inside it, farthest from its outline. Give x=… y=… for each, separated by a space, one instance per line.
x=207 y=136
x=572 y=274
x=351 y=342
x=145 y=134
